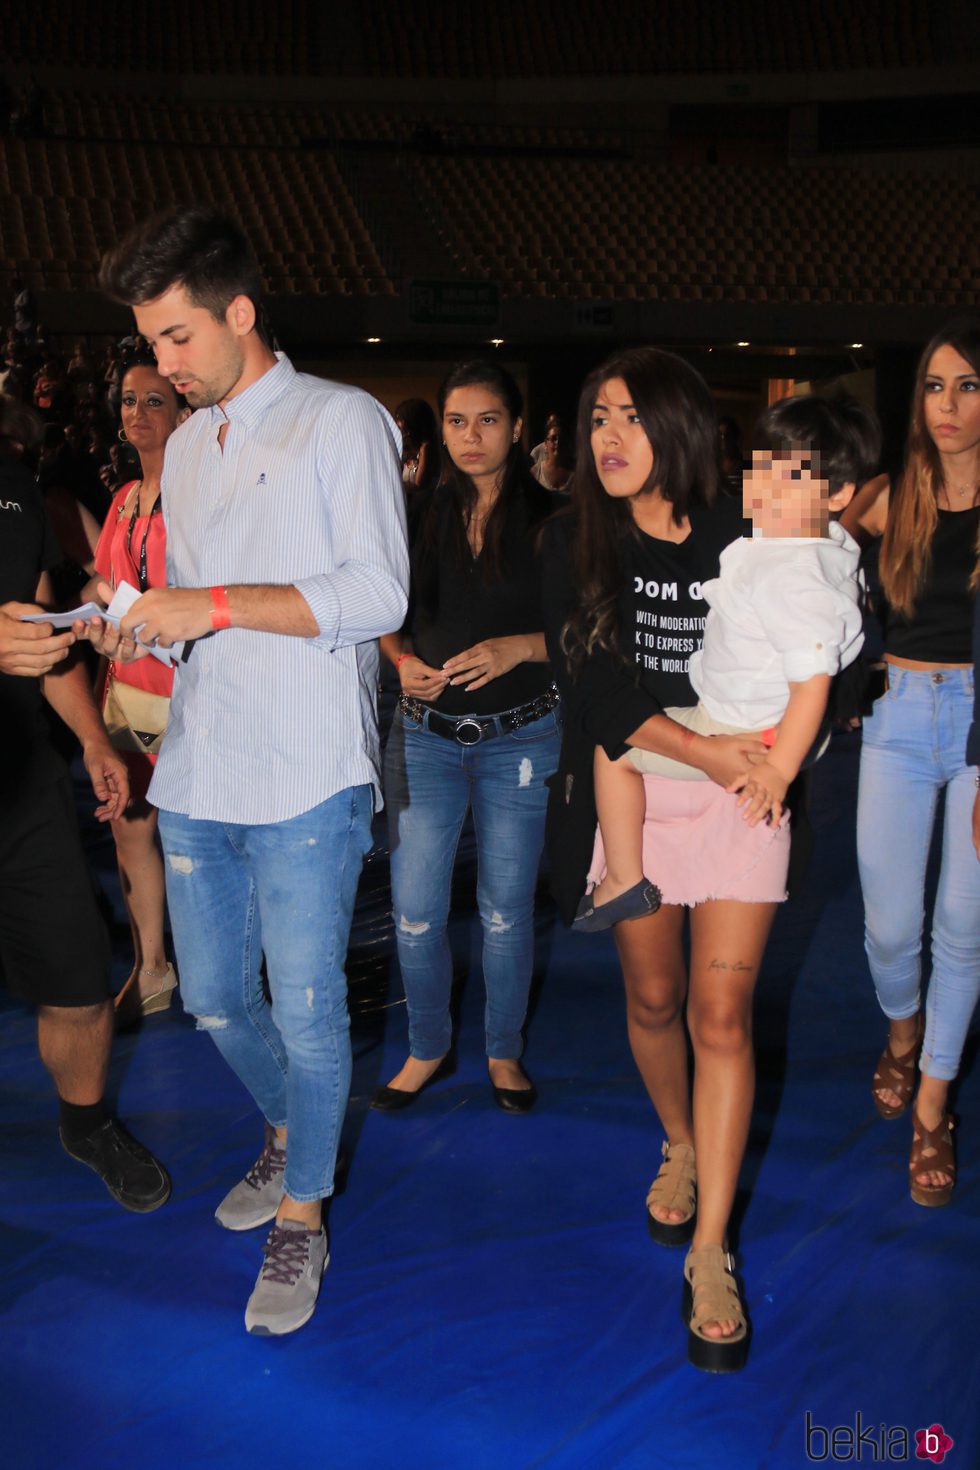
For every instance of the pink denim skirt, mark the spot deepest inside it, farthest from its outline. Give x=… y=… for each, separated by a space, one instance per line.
x=697 y=846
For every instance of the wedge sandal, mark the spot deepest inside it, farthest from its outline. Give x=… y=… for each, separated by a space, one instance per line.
x=932 y=1152
x=897 y=1075
x=675 y=1188
x=711 y=1294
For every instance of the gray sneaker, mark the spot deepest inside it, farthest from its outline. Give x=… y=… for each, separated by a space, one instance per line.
x=289 y=1282
x=256 y=1198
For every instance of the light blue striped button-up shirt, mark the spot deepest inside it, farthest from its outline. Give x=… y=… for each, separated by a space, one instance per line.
x=307 y=490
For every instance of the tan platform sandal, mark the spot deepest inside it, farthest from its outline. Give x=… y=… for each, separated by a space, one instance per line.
x=132 y=1007
x=932 y=1152
x=897 y=1075
x=711 y=1295
x=675 y=1188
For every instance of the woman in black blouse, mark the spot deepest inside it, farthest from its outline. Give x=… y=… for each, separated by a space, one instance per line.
x=476 y=728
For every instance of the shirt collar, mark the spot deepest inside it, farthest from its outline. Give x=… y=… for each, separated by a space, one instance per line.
x=835 y=533
x=249 y=405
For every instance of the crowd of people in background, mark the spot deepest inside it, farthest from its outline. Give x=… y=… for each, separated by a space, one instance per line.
x=76 y=395
x=521 y=601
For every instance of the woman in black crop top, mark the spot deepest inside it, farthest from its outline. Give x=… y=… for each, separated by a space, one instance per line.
x=476 y=729
x=914 y=751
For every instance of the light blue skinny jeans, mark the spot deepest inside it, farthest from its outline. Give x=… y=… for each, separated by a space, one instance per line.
x=285 y=890
x=913 y=752
x=430 y=783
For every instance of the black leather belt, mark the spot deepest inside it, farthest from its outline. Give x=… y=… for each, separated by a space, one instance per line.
x=472 y=729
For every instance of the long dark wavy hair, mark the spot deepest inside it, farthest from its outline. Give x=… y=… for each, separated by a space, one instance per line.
x=913 y=507
x=519 y=493
x=418 y=426
x=678 y=416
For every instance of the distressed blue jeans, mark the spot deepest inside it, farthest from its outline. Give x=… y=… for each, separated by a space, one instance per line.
x=913 y=755
x=430 y=784
x=285 y=890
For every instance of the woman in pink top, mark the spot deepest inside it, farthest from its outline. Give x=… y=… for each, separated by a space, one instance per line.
x=132 y=548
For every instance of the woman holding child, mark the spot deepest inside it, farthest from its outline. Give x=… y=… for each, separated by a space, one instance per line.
x=625 y=586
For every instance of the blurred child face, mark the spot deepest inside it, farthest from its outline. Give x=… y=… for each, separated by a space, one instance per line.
x=783 y=494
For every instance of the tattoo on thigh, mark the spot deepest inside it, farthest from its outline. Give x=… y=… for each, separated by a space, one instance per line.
x=737 y=966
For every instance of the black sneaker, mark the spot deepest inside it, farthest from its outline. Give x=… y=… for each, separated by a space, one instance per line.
x=128 y=1170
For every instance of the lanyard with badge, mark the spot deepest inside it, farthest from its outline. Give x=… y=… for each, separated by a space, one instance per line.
x=144 y=580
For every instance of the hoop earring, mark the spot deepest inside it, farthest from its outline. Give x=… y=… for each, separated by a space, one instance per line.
x=121 y=436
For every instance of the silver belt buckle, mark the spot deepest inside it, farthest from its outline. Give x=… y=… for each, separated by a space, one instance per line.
x=468 y=732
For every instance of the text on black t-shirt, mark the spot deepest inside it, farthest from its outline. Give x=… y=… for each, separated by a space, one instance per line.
x=665 y=615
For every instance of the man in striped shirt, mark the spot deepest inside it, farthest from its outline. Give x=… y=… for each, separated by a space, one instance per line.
x=286 y=559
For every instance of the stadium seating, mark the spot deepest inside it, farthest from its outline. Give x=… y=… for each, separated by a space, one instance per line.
x=584 y=227
x=427 y=38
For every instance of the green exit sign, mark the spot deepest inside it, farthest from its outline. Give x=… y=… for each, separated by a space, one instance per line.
x=454 y=303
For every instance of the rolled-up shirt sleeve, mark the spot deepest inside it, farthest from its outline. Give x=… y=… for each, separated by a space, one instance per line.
x=366 y=593
x=815 y=628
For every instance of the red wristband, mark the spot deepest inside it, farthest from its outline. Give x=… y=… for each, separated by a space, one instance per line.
x=401 y=659
x=220 y=611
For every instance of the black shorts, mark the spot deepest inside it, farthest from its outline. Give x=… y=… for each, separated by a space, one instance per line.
x=54 y=947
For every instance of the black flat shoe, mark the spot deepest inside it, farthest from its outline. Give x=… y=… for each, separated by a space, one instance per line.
x=396 y=1099
x=636 y=903
x=515 y=1099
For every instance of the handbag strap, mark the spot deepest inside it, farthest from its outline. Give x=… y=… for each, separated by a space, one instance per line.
x=129 y=502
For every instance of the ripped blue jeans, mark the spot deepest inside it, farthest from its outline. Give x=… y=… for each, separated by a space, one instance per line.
x=913 y=758
x=285 y=890
x=430 y=783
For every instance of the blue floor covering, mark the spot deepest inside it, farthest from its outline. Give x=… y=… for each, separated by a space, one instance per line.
x=493 y=1298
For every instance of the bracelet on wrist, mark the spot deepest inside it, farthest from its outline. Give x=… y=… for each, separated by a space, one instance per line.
x=220 y=611
x=401 y=659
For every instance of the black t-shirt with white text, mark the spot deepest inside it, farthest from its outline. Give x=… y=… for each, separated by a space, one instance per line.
x=663 y=616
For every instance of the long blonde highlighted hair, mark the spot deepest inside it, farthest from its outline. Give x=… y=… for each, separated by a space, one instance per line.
x=913 y=509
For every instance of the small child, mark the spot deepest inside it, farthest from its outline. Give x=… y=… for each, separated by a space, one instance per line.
x=784 y=617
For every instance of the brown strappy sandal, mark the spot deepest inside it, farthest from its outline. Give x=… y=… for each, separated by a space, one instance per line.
x=675 y=1188
x=711 y=1295
x=932 y=1152
x=897 y=1074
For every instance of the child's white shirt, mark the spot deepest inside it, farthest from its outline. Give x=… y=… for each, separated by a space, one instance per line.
x=782 y=609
